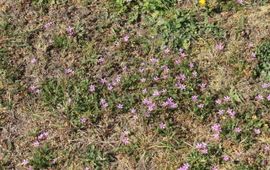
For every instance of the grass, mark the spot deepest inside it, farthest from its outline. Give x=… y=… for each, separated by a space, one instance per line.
x=134 y=85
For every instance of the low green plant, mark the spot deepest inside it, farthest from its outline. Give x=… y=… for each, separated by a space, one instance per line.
x=42 y=158
x=263 y=56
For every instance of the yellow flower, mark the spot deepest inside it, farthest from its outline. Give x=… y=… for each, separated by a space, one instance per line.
x=202 y=2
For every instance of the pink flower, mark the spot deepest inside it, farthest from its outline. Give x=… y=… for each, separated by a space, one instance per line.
x=220 y=46
x=34 y=89
x=167 y=50
x=92 y=88
x=124 y=137
x=226 y=158
x=43 y=136
x=156 y=93
x=202 y=147
x=48 y=25
x=240 y=2
x=33 y=60
x=265 y=85
x=180 y=86
x=257 y=131
x=103 y=103
x=200 y=106
x=214 y=168
x=133 y=111
x=83 y=120
x=227 y=98
x=237 y=130
x=218 y=101
x=194 y=74
x=170 y=103
x=231 y=112
x=36 y=144
x=25 y=162
x=69 y=71
x=221 y=112
x=216 y=136
x=70 y=31
x=194 y=98
x=268 y=97
x=126 y=38
x=120 y=106
x=259 y=97
x=184 y=167
x=216 y=128
x=162 y=125
x=191 y=65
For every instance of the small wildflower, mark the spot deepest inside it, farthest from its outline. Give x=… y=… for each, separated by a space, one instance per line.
x=221 y=112
x=70 y=31
x=33 y=60
x=200 y=106
x=25 y=162
x=184 y=167
x=216 y=128
x=69 y=71
x=92 y=88
x=268 y=97
x=237 y=130
x=180 y=86
x=83 y=120
x=226 y=158
x=120 y=106
x=34 y=89
x=167 y=51
x=191 y=65
x=194 y=74
x=257 y=131
x=133 y=111
x=43 y=136
x=227 y=98
x=48 y=25
x=143 y=80
x=214 y=168
x=216 y=136
x=220 y=46
x=218 y=101
x=144 y=91
x=240 y=2
x=36 y=144
x=259 y=97
x=231 y=112
x=156 y=93
x=265 y=85
x=124 y=137
x=126 y=38
x=162 y=125
x=202 y=147
x=194 y=98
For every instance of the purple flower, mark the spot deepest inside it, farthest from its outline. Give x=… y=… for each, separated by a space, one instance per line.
x=220 y=46
x=103 y=103
x=240 y=2
x=144 y=91
x=194 y=98
x=103 y=81
x=126 y=38
x=216 y=128
x=25 y=162
x=83 y=120
x=109 y=87
x=184 y=167
x=170 y=103
x=257 y=131
x=167 y=50
x=202 y=86
x=218 y=101
x=202 y=147
x=200 y=106
x=156 y=93
x=70 y=31
x=194 y=74
x=133 y=111
x=221 y=112
x=237 y=130
x=216 y=136
x=259 y=97
x=48 y=25
x=162 y=125
x=154 y=60
x=33 y=89
x=180 y=86
x=92 y=88
x=227 y=98
x=36 y=144
x=191 y=65
x=265 y=85
x=43 y=136
x=226 y=158
x=214 y=168
x=33 y=60
x=69 y=71
x=143 y=80
x=124 y=137
x=231 y=112
x=181 y=77
x=268 y=97
x=120 y=106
